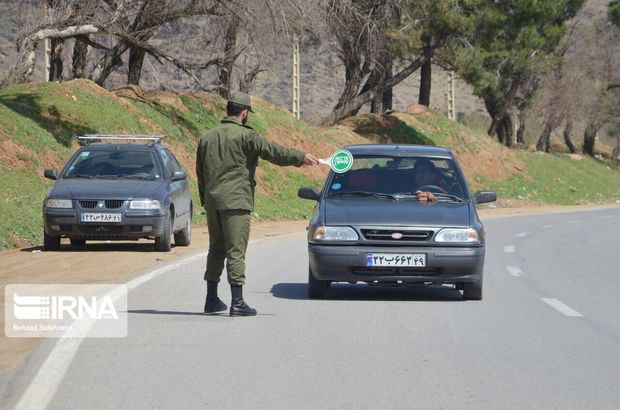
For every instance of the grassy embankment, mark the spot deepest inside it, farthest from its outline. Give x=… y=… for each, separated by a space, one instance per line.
x=38 y=123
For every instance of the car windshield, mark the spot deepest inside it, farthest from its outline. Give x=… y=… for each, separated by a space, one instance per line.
x=398 y=178
x=113 y=164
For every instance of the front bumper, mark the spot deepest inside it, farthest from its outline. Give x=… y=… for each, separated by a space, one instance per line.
x=134 y=225
x=443 y=264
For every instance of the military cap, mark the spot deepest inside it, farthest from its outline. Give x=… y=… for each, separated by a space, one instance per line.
x=240 y=98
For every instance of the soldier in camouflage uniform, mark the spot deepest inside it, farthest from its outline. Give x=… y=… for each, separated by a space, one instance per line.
x=226 y=162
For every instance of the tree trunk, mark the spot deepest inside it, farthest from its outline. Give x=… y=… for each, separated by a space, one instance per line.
x=501 y=132
x=425 y=78
x=615 y=154
x=543 y=141
x=230 y=55
x=56 y=59
x=24 y=66
x=569 y=143
x=347 y=107
x=508 y=130
x=80 y=52
x=135 y=63
x=110 y=62
x=521 y=129
x=389 y=93
x=376 y=105
x=501 y=110
x=589 y=139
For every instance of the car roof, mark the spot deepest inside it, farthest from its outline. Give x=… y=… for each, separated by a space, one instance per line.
x=122 y=146
x=400 y=149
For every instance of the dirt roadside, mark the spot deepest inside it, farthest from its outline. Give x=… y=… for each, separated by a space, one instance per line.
x=101 y=262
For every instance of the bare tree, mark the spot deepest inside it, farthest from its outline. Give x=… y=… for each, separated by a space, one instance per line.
x=359 y=28
x=130 y=22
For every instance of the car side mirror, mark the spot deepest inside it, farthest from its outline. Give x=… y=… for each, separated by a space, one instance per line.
x=178 y=176
x=50 y=174
x=309 y=193
x=485 y=196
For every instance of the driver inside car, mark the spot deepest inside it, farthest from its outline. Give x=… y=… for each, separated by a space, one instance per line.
x=427 y=178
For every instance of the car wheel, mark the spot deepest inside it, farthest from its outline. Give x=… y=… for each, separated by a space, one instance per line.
x=316 y=287
x=78 y=242
x=472 y=290
x=184 y=236
x=163 y=242
x=51 y=243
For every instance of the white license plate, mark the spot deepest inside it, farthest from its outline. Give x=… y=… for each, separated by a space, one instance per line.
x=396 y=259
x=97 y=217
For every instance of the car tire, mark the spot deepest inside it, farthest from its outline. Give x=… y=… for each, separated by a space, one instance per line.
x=184 y=236
x=163 y=242
x=77 y=242
x=472 y=290
x=316 y=288
x=51 y=243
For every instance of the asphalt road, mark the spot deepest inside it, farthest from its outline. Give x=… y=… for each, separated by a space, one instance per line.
x=546 y=335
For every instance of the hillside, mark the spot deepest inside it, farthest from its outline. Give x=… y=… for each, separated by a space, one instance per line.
x=38 y=122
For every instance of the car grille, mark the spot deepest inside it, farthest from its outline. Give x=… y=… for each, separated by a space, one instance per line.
x=113 y=203
x=88 y=204
x=109 y=204
x=386 y=235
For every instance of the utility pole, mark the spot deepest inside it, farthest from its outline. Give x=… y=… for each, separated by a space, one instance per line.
x=296 y=95
x=48 y=54
x=47 y=43
x=451 y=97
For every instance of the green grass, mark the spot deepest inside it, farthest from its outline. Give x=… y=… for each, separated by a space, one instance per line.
x=283 y=202
x=20 y=206
x=558 y=179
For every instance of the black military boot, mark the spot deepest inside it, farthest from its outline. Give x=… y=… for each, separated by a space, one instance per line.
x=238 y=307
x=213 y=304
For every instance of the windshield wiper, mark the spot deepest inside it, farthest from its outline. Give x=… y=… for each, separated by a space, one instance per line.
x=78 y=176
x=448 y=196
x=439 y=195
x=127 y=176
x=363 y=193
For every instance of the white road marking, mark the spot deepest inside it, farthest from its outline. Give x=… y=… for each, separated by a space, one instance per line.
x=514 y=270
x=561 y=307
x=605 y=217
x=522 y=234
x=509 y=249
x=546 y=227
x=43 y=387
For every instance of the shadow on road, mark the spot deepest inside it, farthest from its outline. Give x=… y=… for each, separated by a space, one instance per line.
x=102 y=247
x=299 y=291
x=172 y=312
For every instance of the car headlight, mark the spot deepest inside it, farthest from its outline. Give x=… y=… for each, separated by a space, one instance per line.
x=58 y=203
x=468 y=235
x=335 y=233
x=144 y=204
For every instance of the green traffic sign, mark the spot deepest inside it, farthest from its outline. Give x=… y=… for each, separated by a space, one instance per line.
x=341 y=161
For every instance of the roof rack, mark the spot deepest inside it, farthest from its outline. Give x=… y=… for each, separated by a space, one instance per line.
x=88 y=138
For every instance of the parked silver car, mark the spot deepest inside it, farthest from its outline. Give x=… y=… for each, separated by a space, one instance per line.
x=119 y=190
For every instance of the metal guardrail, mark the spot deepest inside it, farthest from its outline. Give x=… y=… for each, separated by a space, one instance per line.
x=87 y=138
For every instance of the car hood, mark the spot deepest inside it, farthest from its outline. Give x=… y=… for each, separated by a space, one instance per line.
x=103 y=189
x=377 y=211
